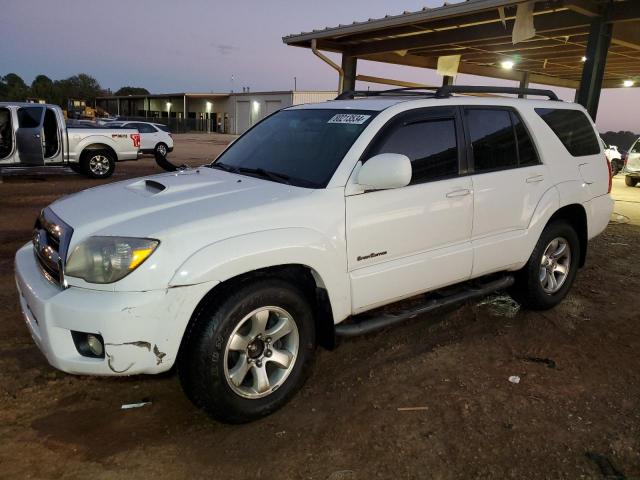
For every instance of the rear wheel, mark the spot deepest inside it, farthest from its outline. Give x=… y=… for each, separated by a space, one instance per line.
x=615 y=167
x=246 y=355
x=98 y=163
x=161 y=149
x=630 y=181
x=548 y=275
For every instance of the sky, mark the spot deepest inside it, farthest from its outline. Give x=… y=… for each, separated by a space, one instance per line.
x=209 y=45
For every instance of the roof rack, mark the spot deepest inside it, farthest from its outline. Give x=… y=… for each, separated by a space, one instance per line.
x=446 y=91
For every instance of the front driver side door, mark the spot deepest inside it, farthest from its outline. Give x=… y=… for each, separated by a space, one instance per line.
x=29 y=135
x=405 y=241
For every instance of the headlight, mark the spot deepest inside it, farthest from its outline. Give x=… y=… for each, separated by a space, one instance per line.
x=108 y=259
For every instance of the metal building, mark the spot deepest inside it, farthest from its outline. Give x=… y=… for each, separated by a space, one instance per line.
x=213 y=112
x=586 y=45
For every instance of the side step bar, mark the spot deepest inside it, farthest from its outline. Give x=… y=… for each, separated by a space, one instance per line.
x=371 y=324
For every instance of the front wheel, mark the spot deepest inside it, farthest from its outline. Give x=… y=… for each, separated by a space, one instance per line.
x=246 y=355
x=548 y=275
x=630 y=181
x=98 y=163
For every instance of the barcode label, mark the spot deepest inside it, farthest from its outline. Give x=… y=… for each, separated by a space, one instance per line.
x=349 y=118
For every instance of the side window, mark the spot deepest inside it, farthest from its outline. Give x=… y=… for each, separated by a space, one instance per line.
x=492 y=139
x=30 y=117
x=573 y=129
x=145 y=128
x=430 y=145
x=526 y=151
x=635 y=148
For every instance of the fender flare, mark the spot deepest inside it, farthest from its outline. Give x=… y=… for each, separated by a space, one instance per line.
x=229 y=258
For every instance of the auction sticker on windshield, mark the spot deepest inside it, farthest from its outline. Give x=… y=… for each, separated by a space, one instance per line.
x=350 y=118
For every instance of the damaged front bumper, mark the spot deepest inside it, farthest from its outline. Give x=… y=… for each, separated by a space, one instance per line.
x=141 y=330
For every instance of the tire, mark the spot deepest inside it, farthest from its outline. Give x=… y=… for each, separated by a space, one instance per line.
x=161 y=149
x=630 y=182
x=98 y=163
x=76 y=167
x=223 y=342
x=534 y=288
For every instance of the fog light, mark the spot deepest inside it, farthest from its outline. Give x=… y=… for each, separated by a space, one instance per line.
x=88 y=344
x=95 y=345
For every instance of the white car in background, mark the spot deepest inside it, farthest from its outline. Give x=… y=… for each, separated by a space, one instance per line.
x=632 y=165
x=154 y=137
x=614 y=157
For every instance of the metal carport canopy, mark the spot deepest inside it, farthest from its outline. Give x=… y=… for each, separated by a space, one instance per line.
x=606 y=32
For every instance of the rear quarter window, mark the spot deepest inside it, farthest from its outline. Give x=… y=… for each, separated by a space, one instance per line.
x=573 y=129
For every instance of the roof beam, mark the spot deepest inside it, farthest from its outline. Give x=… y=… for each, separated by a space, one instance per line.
x=583 y=7
x=488 y=32
x=472 y=69
x=625 y=11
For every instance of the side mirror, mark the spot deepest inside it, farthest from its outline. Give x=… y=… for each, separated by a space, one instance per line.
x=385 y=171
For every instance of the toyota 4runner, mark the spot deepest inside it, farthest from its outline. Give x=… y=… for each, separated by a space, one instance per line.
x=303 y=227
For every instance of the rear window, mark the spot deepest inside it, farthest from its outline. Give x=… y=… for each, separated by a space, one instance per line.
x=573 y=129
x=164 y=128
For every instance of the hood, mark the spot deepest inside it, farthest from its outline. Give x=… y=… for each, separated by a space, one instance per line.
x=151 y=206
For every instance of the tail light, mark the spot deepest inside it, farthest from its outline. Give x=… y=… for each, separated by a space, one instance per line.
x=136 y=139
x=606 y=160
x=171 y=135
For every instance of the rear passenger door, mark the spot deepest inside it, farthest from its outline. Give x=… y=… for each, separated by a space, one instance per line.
x=508 y=182
x=29 y=135
x=404 y=241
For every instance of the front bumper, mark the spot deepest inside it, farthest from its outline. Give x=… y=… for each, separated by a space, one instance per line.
x=141 y=330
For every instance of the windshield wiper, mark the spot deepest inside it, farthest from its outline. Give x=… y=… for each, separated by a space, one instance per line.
x=223 y=166
x=276 y=177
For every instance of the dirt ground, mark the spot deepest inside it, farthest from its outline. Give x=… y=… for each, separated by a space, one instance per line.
x=574 y=414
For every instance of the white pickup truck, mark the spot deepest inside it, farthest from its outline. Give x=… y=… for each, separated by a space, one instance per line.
x=36 y=135
x=303 y=227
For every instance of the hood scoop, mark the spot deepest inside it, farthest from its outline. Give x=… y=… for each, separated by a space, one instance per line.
x=147 y=187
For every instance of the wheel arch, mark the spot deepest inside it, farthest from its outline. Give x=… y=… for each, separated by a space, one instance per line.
x=576 y=215
x=302 y=276
x=99 y=147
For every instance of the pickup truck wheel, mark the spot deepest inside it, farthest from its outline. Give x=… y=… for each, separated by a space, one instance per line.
x=161 y=149
x=630 y=181
x=98 y=163
x=548 y=275
x=244 y=357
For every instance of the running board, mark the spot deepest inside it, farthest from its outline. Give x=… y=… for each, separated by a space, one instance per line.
x=373 y=323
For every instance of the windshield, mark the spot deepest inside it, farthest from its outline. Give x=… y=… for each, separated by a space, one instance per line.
x=299 y=147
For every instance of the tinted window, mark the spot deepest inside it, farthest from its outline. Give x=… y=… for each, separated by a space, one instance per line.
x=30 y=117
x=430 y=145
x=526 y=152
x=304 y=145
x=635 y=148
x=144 y=128
x=492 y=139
x=573 y=129
x=164 y=128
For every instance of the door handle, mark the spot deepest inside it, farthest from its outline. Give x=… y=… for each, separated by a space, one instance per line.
x=459 y=193
x=535 y=179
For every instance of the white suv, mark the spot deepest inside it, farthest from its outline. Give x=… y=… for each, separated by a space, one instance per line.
x=305 y=225
x=154 y=137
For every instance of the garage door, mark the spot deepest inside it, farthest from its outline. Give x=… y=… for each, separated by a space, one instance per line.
x=273 y=106
x=243 y=117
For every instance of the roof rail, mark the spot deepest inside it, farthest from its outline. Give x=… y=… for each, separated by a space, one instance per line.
x=405 y=91
x=446 y=91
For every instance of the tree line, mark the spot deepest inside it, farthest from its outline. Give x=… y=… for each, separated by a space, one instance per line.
x=80 y=86
x=623 y=139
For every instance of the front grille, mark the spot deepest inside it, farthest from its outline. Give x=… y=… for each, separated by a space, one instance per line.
x=50 y=240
